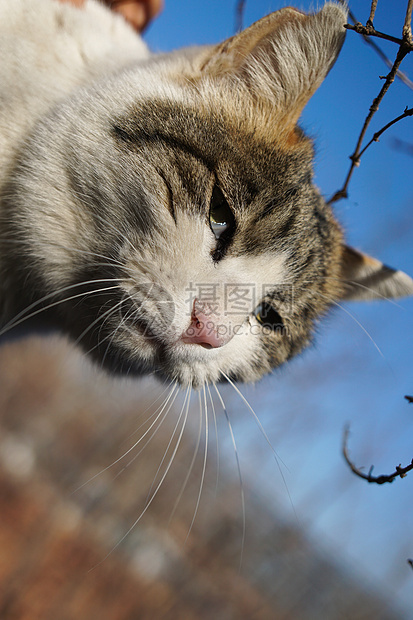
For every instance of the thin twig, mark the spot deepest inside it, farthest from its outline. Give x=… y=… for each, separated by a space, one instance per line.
x=400 y=74
x=407 y=112
x=407 y=28
x=405 y=47
x=372 y=43
x=372 y=12
x=239 y=15
x=370 y=31
x=355 y=157
x=400 y=471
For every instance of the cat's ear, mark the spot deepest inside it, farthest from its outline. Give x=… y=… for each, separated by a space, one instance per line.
x=283 y=57
x=367 y=278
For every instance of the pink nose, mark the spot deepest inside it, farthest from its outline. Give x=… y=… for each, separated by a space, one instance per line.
x=203 y=329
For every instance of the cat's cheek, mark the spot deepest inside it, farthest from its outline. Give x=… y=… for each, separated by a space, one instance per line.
x=138 y=349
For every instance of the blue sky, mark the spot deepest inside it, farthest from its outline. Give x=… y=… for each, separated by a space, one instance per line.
x=360 y=367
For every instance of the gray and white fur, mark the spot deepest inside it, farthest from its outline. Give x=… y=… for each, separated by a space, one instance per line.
x=160 y=210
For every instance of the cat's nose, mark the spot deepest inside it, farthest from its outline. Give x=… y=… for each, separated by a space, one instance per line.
x=205 y=328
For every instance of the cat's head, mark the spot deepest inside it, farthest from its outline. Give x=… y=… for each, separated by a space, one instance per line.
x=170 y=210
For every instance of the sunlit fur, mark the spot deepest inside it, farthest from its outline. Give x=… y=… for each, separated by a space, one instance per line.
x=106 y=188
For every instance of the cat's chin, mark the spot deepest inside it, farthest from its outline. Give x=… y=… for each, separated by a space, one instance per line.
x=195 y=375
x=188 y=365
x=167 y=368
x=195 y=366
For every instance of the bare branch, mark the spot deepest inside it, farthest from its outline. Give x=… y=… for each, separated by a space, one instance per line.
x=400 y=471
x=400 y=74
x=370 y=31
x=405 y=47
x=372 y=12
x=407 y=28
x=355 y=157
x=371 y=42
x=239 y=15
x=407 y=112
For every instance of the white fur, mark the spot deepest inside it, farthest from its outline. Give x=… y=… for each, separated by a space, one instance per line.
x=60 y=48
x=64 y=49
x=75 y=72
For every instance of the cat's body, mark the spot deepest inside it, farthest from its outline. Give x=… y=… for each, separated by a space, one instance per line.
x=161 y=210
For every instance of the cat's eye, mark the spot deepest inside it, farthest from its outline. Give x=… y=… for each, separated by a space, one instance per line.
x=268 y=316
x=221 y=218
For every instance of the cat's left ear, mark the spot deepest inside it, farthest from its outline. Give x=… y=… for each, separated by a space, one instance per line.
x=366 y=278
x=281 y=59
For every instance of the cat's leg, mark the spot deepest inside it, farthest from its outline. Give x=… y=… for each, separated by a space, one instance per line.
x=75 y=2
x=139 y=13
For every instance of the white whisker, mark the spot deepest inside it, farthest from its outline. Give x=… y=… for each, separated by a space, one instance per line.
x=161 y=409
x=376 y=293
x=357 y=322
x=234 y=444
x=171 y=384
x=258 y=421
x=160 y=482
x=277 y=459
x=102 y=317
x=108 y=260
x=167 y=447
x=148 y=441
x=211 y=400
x=22 y=316
x=201 y=484
x=189 y=471
x=111 y=337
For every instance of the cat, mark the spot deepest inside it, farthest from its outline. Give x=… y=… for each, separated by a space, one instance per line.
x=160 y=209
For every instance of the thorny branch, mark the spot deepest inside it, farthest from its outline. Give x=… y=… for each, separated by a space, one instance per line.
x=405 y=47
x=400 y=471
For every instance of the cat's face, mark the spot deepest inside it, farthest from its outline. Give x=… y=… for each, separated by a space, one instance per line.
x=228 y=258
x=173 y=214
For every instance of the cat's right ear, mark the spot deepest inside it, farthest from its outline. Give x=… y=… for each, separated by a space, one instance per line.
x=282 y=58
x=366 y=278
